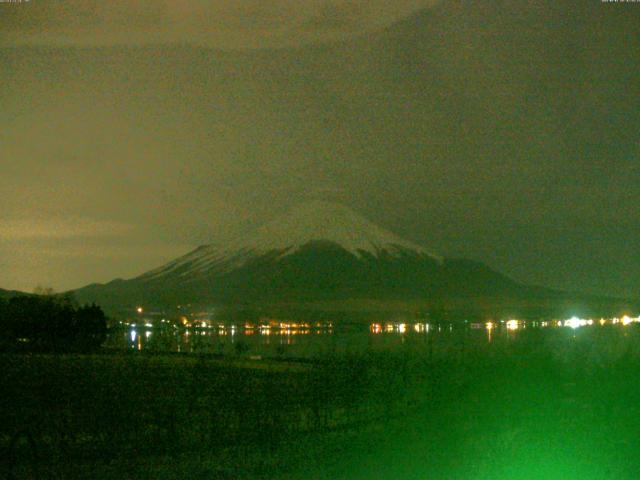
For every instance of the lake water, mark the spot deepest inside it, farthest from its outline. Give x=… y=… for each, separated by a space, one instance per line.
x=300 y=339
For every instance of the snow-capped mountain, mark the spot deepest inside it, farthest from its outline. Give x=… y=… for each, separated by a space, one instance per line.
x=318 y=251
x=288 y=234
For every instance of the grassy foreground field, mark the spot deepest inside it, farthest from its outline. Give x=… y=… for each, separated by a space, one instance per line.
x=541 y=405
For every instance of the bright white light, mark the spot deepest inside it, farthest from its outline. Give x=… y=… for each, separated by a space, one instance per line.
x=402 y=328
x=512 y=324
x=626 y=320
x=147 y=334
x=489 y=325
x=575 y=322
x=133 y=335
x=139 y=310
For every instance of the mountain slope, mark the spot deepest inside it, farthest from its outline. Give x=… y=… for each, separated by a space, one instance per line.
x=10 y=293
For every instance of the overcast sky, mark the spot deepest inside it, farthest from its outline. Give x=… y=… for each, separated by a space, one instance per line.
x=507 y=132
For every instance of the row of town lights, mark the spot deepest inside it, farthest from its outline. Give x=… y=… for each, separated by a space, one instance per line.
x=512 y=324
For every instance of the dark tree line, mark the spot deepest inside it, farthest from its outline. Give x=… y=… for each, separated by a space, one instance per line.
x=50 y=323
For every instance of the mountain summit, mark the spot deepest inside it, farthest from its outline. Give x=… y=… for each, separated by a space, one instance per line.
x=331 y=222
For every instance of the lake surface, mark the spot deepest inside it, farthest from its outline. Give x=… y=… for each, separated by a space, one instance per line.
x=305 y=339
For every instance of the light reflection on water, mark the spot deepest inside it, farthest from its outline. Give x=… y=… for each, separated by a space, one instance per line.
x=304 y=339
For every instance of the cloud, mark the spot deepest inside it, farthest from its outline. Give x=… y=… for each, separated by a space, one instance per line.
x=57 y=229
x=65 y=266
x=227 y=24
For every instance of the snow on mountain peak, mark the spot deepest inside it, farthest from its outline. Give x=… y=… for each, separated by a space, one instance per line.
x=326 y=221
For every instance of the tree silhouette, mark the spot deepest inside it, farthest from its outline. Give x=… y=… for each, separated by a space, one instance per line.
x=90 y=326
x=51 y=323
